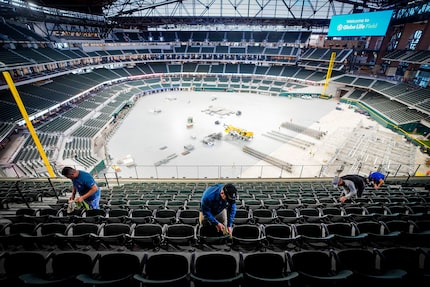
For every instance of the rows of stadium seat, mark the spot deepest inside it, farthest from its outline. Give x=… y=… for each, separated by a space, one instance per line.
x=49 y=55
x=349 y=267
x=283 y=202
x=312 y=235
x=16 y=191
x=168 y=228
x=271 y=200
x=251 y=210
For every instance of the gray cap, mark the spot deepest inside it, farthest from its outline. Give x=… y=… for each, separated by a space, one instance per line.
x=335 y=181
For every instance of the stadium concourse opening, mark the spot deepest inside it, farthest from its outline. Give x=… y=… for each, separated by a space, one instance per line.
x=292 y=137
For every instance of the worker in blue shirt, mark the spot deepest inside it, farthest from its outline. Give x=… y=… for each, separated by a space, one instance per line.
x=376 y=179
x=83 y=184
x=218 y=207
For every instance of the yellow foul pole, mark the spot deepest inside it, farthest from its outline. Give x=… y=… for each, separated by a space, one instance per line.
x=30 y=127
x=330 y=69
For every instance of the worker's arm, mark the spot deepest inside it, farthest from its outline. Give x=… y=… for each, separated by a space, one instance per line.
x=72 y=196
x=350 y=190
x=379 y=184
x=205 y=206
x=90 y=192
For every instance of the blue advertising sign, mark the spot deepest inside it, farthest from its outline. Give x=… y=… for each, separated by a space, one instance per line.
x=362 y=24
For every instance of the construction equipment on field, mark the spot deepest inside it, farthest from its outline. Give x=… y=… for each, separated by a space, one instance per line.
x=190 y=122
x=238 y=133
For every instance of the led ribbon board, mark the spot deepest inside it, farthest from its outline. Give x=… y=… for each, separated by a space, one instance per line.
x=361 y=24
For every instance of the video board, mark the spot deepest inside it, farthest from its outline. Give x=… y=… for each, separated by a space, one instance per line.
x=361 y=24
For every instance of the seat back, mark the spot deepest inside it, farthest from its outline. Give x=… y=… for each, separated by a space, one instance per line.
x=141 y=216
x=371 y=227
x=183 y=234
x=264 y=265
x=147 y=229
x=166 y=266
x=358 y=260
x=51 y=228
x=118 y=265
x=26 y=211
x=423 y=226
x=189 y=216
x=47 y=211
x=376 y=209
x=354 y=210
x=310 y=214
x=192 y=204
x=278 y=234
x=243 y=216
x=404 y=258
x=114 y=234
x=18 y=263
x=408 y=260
x=287 y=215
x=117 y=215
x=44 y=235
x=215 y=269
x=93 y=215
x=262 y=216
x=20 y=227
x=64 y=263
x=313 y=262
x=400 y=225
x=251 y=204
x=246 y=232
x=309 y=202
x=165 y=216
x=84 y=228
x=209 y=234
x=153 y=204
x=272 y=203
x=147 y=234
x=175 y=204
x=341 y=228
x=110 y=229
x=314 y=230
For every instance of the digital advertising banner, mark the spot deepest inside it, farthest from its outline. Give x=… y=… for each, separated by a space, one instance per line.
x=361 y=24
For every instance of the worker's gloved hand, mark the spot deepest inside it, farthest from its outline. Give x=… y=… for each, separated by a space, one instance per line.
x=221 y=228
x=342 y=198
x=71 y=206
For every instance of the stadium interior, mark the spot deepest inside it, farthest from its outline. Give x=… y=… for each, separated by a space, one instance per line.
x=72 y=71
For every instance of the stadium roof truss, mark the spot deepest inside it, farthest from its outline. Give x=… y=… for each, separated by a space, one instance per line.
x=305 y=13
x=206 y=14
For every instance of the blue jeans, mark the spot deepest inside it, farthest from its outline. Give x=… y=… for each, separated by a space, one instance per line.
x=94 y=203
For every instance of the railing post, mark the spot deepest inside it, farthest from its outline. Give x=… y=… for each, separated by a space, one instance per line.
x=398 y=169
x=116 y=176
x=106 y=180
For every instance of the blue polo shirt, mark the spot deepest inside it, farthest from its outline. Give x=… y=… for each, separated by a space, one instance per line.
x=376 y=176
x=83 y=184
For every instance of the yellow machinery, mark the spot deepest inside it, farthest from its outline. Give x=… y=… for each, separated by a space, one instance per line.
x=238 y=133
x=327 y=79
